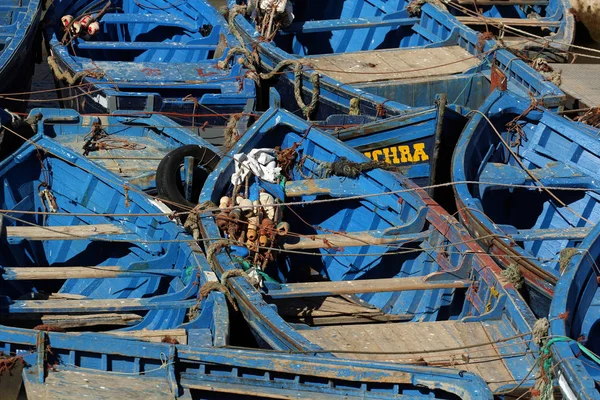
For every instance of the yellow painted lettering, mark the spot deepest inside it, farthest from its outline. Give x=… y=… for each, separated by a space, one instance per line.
x=376 y=154
x=368 y=154
x=395 y=159
x=405 y=155
x=419 y=154
x=386 y=152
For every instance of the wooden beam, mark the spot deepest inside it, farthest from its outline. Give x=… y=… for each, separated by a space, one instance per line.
x=540 y=23
x=350 y=239
x=310 y=289
x=93 y=306
x=45 y=273
x=154 y=336
x=62 y=232
x=87 y=320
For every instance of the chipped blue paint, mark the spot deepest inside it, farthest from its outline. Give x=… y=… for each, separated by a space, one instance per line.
x=195 y=370
x=151 y=57
x=434 y=28
x=18 y=21
x=556 y=152
x=574 y=313
x=401 y=205
x=153 y=135
x=146 y=247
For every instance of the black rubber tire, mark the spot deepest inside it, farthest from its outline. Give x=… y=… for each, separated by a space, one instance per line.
x=168 y=176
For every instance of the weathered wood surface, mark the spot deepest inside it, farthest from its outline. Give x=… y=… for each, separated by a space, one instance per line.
x=533 y=22
x=77 y=385
x=156 y=336
x=424 y=343
x=87 y=320
x=581 y=82
x=92 y=306
x=307 y=289
x=385 y=65
x=318 y=311
x=44 y=273
x=350 y=239
x=62 y=232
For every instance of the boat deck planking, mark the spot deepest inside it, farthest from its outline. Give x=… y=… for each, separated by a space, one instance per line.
x=75 y=385
x=425 y=339
x=385 y=65
x=580 y=81
x=332 y=310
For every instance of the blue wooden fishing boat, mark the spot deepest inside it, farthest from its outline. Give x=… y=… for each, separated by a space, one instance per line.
x=153 y=56
x=525 y=185
x=81 y=249
x=100 y=365
x=134 y=145
x=537 y=27
x=378 y=59
x=418 y=142
x=359 y=263
x=574 y=339
x=18 y=27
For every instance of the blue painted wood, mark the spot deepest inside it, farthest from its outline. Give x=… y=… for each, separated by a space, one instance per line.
x=553 y=20
x=575 y=314
x=44 y=175
x=434 y=28
x=152 y=137
x=556 y=152
x=158 y=56
x=387 y=202
x=200 y=371
x=18 y=45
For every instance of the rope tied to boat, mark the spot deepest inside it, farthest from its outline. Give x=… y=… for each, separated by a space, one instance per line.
x=252 y=278
x=591 y=117
x=192 y=223
x=231 y=134
x=70 y=78
x=540 y=331
x=565 y=257
x=355 y=106
x=513 y=274
x=7 y=364
x=347 y=168
x=213 y=286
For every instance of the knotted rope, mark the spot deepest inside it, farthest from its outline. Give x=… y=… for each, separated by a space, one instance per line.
x=192 y=223
x=513 y=274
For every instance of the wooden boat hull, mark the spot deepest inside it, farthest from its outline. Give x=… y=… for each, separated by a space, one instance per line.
x=526 y=233
x=78 y=240
x=574 y=319
x=129 y=144
x=361 y=303
x=17 y=56
x=435 y=32
x=148 y=60
x=157 y=370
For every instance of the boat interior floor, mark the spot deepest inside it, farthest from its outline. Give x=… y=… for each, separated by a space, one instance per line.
x=394 y=64
x=467 y=346
x=69 y=384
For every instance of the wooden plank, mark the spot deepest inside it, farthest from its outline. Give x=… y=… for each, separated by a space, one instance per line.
x=306 y=289
x=44 y=273
x=67 y=384
x=87 y=320
x=350 y=239
x=155 y=336
x=424 y=343
x=393 y=64
x=581 y=82
x=92 y=306
x=345 y=24
x=62 y=232
x=539 y=23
